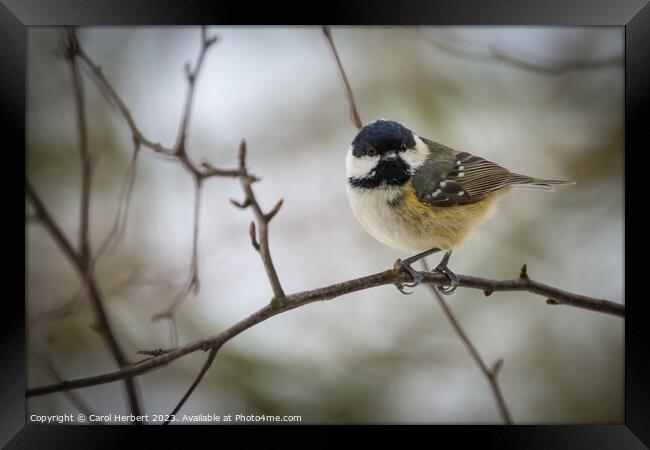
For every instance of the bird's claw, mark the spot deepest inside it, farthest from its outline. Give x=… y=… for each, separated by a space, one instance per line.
x=400 y=287
x=455 y=281
x=418 y=277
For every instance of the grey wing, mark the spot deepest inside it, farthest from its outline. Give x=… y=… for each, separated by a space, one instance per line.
x=452 y=178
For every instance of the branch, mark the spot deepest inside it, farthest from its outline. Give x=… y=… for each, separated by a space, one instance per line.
x=82 y=128
x=491 y=375
x=117 y=230
x=494 y=54
x=554 y=295
x=70 y=307
x=263 y=220
x=354 y=114
x=387 y=277
x=192 y=75
x=178 y=151
x=76 y=300
x=83 y=259
x=96 y=74
x=199 y=173
x=88 y=278
x=262 y=247
x=192 y=283
x=74 y=399
x=70 y=52
x=84 y=256
x=199 y=377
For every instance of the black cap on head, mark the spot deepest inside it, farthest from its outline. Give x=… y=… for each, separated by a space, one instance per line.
x=382 y=136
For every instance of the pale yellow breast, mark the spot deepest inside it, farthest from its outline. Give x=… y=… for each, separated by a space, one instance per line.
x=414 y=226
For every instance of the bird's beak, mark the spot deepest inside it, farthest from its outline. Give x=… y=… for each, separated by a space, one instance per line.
x=390 y=156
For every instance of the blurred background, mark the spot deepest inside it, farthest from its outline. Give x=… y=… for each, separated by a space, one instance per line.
x=511 y=95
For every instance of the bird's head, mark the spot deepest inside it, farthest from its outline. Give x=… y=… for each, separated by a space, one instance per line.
x=384 y=153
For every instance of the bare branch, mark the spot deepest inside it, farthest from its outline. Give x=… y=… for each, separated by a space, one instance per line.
x=199 y=377
x=388 y=277
x=88 y=278
x=156 y=352
x=490 y=375
x=97 y=76
x=210 y=171
x=498 y=365
x=262 y=246
x=192 y=283
x=493 y=54
x=76 y=300
x=117 y=230
x=242 y=205
x=178 y=151
x=354 y=113
x=253 y=234
x=67 y=309
x=82 y=260
x=558 y=296
x=269 y=216
x=82 y=128
x=72 y=397
x=192 y=76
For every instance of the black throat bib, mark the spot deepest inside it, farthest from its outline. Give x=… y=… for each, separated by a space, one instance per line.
x=391 y=173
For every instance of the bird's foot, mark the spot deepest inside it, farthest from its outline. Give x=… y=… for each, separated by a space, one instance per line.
x=453 y=278
x=418 y=277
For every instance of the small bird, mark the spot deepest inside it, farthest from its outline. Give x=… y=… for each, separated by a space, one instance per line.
x=417 y=195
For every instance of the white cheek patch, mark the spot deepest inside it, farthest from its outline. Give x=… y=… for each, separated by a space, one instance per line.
x=417 y=156
x=360 y=167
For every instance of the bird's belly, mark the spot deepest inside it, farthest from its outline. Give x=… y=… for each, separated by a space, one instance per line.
x=394 y=217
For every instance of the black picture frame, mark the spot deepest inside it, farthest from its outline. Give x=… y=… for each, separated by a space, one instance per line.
x=633 y=15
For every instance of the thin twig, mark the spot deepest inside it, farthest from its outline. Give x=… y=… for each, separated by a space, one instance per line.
x=387 y=277
x=178 y=151
x=199 y=377
x=72 y=397
x=192 y=75
x=96 y=74
x=261 y=246
x=192 y=283
x=354 y=112
x=156 y=352
x=88 y=278
x=117 y=230
x=74 y=303
x=199 y=173
x=490 y=375
x=67 y=309
x=205 y=170
x=119 y=224
x=550 y=67
x=263 y=220
x=84 y=256
x=84 y=153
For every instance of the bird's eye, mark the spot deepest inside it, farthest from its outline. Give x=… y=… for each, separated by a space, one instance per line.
x=403 y=147
x=371 y=152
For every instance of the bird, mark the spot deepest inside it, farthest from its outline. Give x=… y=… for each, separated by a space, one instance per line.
x=417 y=195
